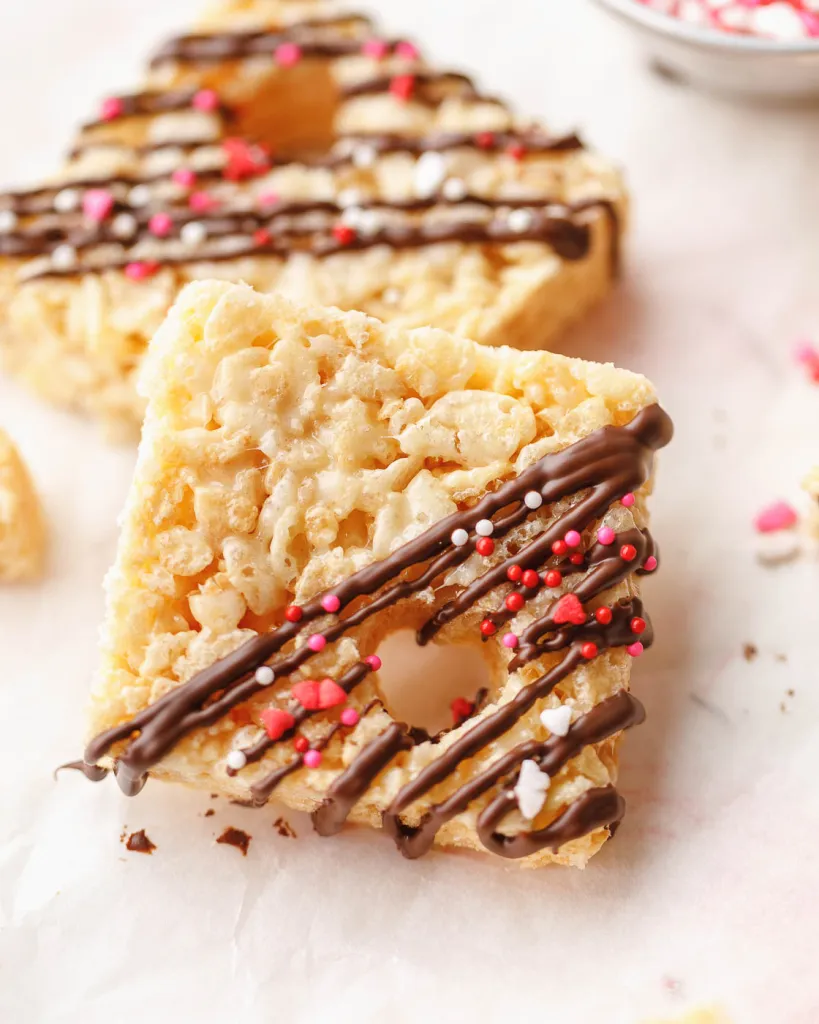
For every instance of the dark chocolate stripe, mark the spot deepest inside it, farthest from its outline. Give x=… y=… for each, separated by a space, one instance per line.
x=150 y=102
x=423 y=90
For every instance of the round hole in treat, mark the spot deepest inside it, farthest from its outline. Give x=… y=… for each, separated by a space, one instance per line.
x=419 y=684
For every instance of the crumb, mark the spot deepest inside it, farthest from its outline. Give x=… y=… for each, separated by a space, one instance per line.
x=749 y=651
x=138 y=842
x=790 y=693
x=209 y=812
x=214 y=796
x=673 y=985
x=235 y=837
x=781 y=657
x=123 y=833
x=284 y=828
x=783 y=708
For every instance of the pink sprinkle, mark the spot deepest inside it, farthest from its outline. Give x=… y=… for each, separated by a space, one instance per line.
x=268 y=199
x=184 y=177
x=97 y=204
x=374 y=662
x=510 y=640
x=407 y=50
x=206 y=101
x=811 y=22
x=350 y=717
x=140 y=271
x=605 y=535
x=573 y=538
x=317 y=642
x=201 y=202
x=330 y=603
x=627 y=500
x=635 y=649
x=375 y=48
x=312 y=758
x=161 y=224
x=112 y=108
x=650 y=564
x=288 y=55
x=779 y=516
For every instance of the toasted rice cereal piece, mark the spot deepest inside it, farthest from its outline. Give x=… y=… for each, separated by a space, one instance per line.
x=306 y=458
x=22 y=530
x=385 y=186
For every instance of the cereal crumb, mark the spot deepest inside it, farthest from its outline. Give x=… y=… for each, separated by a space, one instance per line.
x=235 y=837
x=209 y=812
x=138 y=842
x=749 y=651
x=284 y=828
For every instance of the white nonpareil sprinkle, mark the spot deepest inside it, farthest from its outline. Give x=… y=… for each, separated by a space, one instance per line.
x=64 y=257
x=264 y=675
x=351 y=216
x=484 y=528
x=530 y=789
x=532 y=499
x=459 y=538
x=194 y=233
x=557 y=720
x=8 y=220
x=140 y=195
x=236 y=760
x=67 y=201
x=392 y=296
x=370 y=222
x=363 y=156
x=520 y=220
x=454 y=189
x=779 y=21
x=124 y=225
x=430 y=173
x=349 y=197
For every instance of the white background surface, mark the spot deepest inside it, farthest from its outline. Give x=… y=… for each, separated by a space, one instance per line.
x=708 y=894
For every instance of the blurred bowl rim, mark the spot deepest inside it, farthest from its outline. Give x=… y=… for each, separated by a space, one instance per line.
x=669 y=25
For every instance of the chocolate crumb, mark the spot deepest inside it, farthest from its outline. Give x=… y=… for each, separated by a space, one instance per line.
x=235 y=837
x=284 y=828
x=214 y=796
x=782 y=708
x=209 y=812
x=138 y=842
x=749 y=651
x=781 y=657
x=790 y=693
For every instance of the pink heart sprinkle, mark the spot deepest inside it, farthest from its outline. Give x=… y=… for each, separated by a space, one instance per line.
x=306 y=692
x=778 y=516
x=330 y=694
x=288 y=55
x=206 y=101
x=276 y=722
x=97 y=204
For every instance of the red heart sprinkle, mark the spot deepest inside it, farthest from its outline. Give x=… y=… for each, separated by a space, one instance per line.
x=306 y=693
x=276 y=722
x=330 y=694
x=569 y=609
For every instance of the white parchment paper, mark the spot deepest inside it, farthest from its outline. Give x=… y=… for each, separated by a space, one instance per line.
x=708 y=893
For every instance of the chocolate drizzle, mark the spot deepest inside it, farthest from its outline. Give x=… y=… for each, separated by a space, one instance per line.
x=605 y=465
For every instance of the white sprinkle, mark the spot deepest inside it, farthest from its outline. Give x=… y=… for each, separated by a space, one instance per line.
x=369 y=222
x=532 y=499
x=124 y=225
x=430 y=173
x=194 y=233
x=454 y=189
x=140 y=195
x=557 y=720
x=67 y=201
x=264 y=675
x=778 y=547
x=459 y=538
x=520 y=221
x=779 y=21
x=349 y=197
x=484 y=528
x=363 y=156
x=8 y=221
x=392 y=296
x=64 y=257
x=236 y=760
x=530 y=790
x=351 y=216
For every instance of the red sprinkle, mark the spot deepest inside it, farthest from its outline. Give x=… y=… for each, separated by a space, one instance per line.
x=779 y=516
x=302 y=744
x=553 y=578
x=486 y=140
x=560 y=547
x=276 y=722
x=589 y=650
x=244 y=160
x=569 y=609
x=343 y=233
x=514 y=601
x=650 y=564
x=603 y=615
x=638 y=625
x=402 y=87
x=530 y=579
x=141 y=271
x=514 y=573
x=628 y=552
x=373 y=661
x=112 y=108
x=293 y=613
x=485 y=546
x=262 y=237
x=576 y=558
x=461 y=708
x=488 y=628
x=516 y=151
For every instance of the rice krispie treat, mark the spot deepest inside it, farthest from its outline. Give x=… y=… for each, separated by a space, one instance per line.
x=288 y=145
x=22 y=533
x=311 y=481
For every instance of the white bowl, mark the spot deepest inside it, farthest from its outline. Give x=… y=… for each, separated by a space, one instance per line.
x=722 y=62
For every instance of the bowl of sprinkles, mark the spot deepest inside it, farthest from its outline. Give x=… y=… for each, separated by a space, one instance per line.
x=756 y=48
